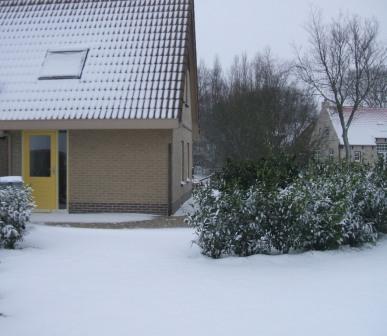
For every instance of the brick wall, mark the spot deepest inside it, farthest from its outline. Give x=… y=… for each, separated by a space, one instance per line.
x=119 y=171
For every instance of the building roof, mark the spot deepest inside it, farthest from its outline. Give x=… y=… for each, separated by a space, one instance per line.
x=135 y=65
x=368 y=125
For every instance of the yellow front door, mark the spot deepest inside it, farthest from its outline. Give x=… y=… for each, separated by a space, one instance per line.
x=40 y=167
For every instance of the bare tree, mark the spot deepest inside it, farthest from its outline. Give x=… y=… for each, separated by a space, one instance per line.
x=253 y=110
x=378 y=94
x=343 y=64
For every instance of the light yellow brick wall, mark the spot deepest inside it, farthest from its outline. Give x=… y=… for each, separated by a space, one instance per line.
x=119 y=166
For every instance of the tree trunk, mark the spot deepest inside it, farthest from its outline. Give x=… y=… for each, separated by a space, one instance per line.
x=346 y=145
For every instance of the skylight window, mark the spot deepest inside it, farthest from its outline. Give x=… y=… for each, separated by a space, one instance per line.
x=65 y=64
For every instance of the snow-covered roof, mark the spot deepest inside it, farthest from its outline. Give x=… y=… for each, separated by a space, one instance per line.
x=367 y=125
x=134 y=69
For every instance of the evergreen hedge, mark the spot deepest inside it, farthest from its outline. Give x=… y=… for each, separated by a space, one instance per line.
x=327 y=205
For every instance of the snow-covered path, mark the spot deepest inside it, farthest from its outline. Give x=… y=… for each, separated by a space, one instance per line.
x=69 y=282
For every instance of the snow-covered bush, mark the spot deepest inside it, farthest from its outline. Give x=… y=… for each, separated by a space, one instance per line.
x=333 y=198
x=15 y=210
x=225 y=224
x=329 y=205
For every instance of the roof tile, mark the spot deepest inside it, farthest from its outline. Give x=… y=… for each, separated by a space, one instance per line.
x=134 y=69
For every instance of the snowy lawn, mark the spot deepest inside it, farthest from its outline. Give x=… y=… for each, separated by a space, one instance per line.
x=153 y=282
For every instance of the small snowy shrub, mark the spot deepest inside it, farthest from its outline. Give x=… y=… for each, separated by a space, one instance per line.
x=15 y=210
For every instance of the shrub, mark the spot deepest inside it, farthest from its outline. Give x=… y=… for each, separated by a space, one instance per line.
x=15 y=210
x=326 y=206
x=333 y=196
x=224 y=224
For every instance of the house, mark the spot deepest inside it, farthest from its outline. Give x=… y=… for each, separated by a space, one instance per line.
x=98 y=102
x=367 y=134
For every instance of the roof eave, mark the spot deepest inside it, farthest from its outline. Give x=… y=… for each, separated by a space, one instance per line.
x=88 y=124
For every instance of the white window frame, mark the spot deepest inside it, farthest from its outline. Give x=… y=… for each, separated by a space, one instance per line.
x=382 y=150
x=355 y=158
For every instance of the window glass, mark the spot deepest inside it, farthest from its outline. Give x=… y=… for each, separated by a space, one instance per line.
x=331 y=153
x=188 y=161
x=40 y=156
x=382 y=151
x=182 y=161
x=63 y=64
x=62 y=142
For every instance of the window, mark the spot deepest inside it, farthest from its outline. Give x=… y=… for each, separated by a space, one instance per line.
x=63 y=64
x=317 y=155
x=62 y=177
x=40 y=156
x=331 y=153
x=382 y=151
x=357 y=156
x=188 y=161
x=182 y=161
x=326 y=131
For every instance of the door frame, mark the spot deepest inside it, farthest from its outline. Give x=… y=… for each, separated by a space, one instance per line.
x=24 y=164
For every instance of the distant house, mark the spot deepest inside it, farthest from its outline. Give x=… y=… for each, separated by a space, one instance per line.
x=367 y=134
x=98 y=102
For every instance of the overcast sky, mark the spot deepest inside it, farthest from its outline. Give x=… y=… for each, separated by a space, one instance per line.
x=229 y=27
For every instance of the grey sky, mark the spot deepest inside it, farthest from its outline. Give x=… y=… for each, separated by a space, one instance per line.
x=229 y=27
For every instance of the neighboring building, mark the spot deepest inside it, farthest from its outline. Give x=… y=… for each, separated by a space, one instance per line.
x=367 y=134
x=98 y=102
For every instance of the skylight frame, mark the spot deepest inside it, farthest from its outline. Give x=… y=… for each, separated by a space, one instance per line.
x=85 y=53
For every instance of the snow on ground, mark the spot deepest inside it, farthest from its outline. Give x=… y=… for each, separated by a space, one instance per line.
x=187 y=208
x=76 y=282
x=64 y=217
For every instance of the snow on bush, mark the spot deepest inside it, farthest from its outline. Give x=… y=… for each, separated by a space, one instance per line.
x=327 y=206
x=15 y=210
